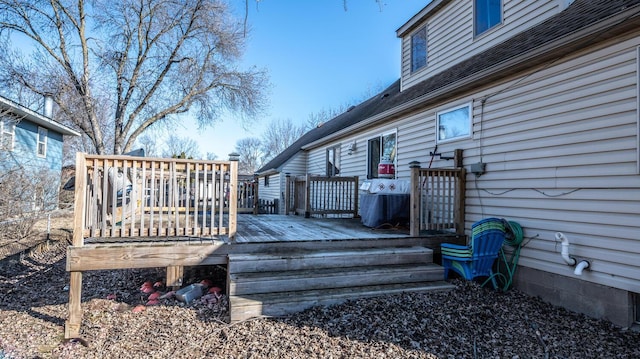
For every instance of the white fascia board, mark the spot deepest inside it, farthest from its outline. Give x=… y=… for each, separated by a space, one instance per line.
x=36 y=118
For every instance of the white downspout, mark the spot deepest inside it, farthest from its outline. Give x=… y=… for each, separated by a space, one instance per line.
x=565 y=249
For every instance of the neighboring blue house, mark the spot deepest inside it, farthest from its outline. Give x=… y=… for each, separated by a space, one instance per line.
x=31 y=147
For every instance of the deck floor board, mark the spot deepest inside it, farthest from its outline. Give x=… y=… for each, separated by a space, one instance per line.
x=281 y=228
x=271 y=228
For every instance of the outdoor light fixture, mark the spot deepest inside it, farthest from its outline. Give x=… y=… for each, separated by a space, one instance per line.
x=351 y=148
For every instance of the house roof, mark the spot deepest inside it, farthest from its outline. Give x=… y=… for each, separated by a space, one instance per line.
x=582 y=24
x=422 y=15
x=40 y=120
x=348 y=118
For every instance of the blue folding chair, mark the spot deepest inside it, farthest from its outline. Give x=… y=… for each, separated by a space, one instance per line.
x=476 y=259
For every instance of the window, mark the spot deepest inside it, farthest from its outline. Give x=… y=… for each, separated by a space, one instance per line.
x=266 y=181
x=419 y=49
x=380 y=147
x=333 y=161
x=7 y=133
x=454 y=123
x=487 y=14
x=42 y=142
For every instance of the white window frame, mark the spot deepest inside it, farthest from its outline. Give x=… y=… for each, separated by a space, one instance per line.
x=7 y=128
x=442 y=132
x=41 y=142
x=372 y=169
x=475 y=18
x=333 y=161
x=413 y=53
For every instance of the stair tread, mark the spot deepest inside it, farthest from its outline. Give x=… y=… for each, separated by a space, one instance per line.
x=336 y=271
x=306 y=253
x=344 y=293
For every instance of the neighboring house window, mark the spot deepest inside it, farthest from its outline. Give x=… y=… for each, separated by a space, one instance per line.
x=266 y=181
x=333 y=161
x=419 y=49
x=7 y=133
x=454 y=123
x=42 y=142
x=487 y=14
x=380 y=147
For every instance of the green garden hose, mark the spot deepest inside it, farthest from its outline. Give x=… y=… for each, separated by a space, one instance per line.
x=506 y=268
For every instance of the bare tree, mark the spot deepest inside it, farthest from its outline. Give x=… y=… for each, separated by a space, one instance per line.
x=131 y=64
x=251 y=157
x=182 y=147
x=316 y=119
x=279 y=135
x=148 y=144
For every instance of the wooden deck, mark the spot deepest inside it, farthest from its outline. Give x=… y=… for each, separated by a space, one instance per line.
x=290 y=239
x=281 y=228
x=255 y=234
x=172 y=213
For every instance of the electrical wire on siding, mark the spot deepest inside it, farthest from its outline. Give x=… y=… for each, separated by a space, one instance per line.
x=484 y=99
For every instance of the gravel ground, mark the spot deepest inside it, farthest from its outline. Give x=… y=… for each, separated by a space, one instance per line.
x=467 y=322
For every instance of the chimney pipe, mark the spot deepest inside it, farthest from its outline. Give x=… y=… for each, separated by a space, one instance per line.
x=48 y=105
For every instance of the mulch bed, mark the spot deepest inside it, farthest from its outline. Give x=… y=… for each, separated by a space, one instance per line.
x=467 y=322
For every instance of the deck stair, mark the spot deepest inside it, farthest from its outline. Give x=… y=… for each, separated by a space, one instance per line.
x=290 y=280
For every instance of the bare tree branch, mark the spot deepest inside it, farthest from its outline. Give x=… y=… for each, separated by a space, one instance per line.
x=251 y=158
x=139 y=63
x=182 y=147
x=279 y=135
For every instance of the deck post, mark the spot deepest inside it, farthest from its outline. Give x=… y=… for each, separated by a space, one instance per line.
x=460 y=195
x=307 y=197
x=457 y=158
x=355 y=197
x=287 y=193
x=174 y=276
x=414 y=215
x=256 y=188
x=233 y=199
x=72 y=326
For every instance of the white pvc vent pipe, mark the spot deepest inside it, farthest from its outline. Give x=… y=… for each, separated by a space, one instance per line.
x=565 y=249
x=580 y=267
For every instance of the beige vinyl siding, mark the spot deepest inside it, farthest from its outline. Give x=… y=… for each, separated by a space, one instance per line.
x=350 y=165
x=272 y=191
x=316 y=160
x=295 y=166
x=277 y=182
x=416 y=140
x=561 y=147
x=354 y=164
x=450 y=37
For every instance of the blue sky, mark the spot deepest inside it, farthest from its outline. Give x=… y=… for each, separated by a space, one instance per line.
x=318 y=56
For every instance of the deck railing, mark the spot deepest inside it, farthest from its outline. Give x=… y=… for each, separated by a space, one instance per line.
x=319 y=196
x=247 y=196
x=437 y=199
x=124 y=196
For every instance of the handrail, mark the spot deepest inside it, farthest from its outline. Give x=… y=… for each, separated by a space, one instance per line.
x=125 y=196
x=437 y=199
x=322 y=196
